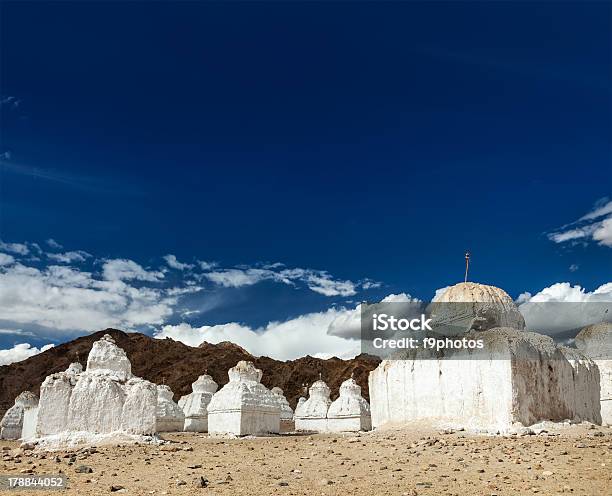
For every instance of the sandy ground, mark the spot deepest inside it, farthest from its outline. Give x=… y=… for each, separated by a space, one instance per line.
x=575 y=460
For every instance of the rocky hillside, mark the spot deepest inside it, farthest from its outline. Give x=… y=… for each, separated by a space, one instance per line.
x=165 y=361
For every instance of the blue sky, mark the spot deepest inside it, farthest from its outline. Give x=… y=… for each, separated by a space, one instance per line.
x=367 y=144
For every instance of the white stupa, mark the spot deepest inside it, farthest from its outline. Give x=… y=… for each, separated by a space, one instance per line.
x=311 y=415
x=195 y=405
x=104 y=403
x=518 y=378
x=286 y=413
x=595 y=341
x=244 y=406
x=169 y=416
x=350 y=411
x=301 y=401
x=11 y=425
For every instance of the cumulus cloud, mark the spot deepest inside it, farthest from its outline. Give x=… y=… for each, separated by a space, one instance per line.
x=563 y=307
x=53 y=244
x=207 y=265
x=173 y=263
x=596 y=226
x=333 y=332
x=20 y=352
x=17 y=248
x=121 y=269
x=6 y=259
x=75 y=293
x=288 y=340
x=69 y=256
x=64 y=299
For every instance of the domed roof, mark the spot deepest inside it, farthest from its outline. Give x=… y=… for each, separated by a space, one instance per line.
x=472 y=306
x=317 y=404
x=244 y=391
x=595 y=340
x=286 y=412
x=244 y=371
x=350 y=403
x=106 y=357
x=27 y=399
x=204 y=384
x=466 y=292
x=164 y=392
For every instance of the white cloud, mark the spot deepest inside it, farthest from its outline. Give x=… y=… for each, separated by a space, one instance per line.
x=6 y=259
x=327 y=286
x=17 y=332
x=18 y=248
x=66 y=300
x=603 y=233
x=207 y=265
x=319 y=281
x=235 y=278
x=126 y=270
x=173 y=263
x=573 y=267
x=54 y=244
x=69 y=256
x=602 y=207
x=333 y=332
x=294 y=338
x=563 y=307
x=590 y=227
x=20 y=352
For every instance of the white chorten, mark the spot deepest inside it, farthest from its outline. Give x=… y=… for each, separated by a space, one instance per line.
x=286 y=413
x=595 y=341
x=195 y=405
x=11 y=425
x=301 y=401
x=350 y=411
x=244 y=406
x=518 y=378
x=311 y=415
x=104 y=402
x=169 y=416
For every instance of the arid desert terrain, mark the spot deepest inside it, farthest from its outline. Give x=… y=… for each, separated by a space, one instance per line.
x=563 y=460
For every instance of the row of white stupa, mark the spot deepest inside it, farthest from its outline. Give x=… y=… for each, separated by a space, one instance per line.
x=523 y=379
x=106 y=400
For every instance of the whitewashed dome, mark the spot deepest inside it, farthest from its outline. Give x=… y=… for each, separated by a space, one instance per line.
x=318 y=402
x=471 y=306
x=106 y=357
x=595 y=340
x=167 y=409
x=243 y=391
x=74 y=368
x=286 y=413
x=27 y=399
x=350 y=403
x=204 y=384
x=194 y=405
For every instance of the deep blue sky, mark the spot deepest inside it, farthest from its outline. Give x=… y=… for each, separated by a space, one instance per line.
x=374 y=140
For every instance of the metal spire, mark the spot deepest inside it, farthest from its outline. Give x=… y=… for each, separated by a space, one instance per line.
x=467 y=265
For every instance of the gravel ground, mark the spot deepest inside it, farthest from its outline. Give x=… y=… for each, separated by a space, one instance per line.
x=574 y=460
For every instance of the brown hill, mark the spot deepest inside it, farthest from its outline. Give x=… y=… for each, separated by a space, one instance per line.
x=165 y=361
